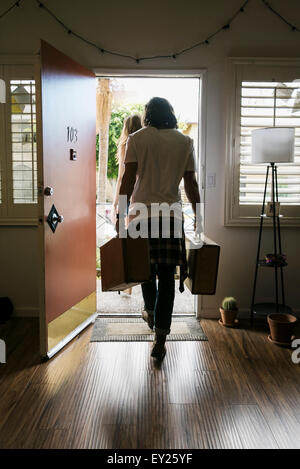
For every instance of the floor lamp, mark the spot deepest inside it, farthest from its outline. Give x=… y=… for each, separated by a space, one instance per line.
x=271 y=146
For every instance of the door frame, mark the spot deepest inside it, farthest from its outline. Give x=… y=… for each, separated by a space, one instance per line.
x=201 y=74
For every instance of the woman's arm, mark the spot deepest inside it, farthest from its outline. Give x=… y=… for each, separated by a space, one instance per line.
x=121 y=171
x=128 y=179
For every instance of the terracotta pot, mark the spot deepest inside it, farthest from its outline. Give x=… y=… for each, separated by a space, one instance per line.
x=228 y=316
x=281 y=326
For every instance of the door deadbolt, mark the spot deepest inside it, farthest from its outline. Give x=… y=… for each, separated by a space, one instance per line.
x=48 y=190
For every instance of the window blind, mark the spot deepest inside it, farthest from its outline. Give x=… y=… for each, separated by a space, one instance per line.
x=268 y=104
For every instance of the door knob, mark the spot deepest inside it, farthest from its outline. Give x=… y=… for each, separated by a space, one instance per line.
x=54 y=218
x=58 y=218
x=48 y=190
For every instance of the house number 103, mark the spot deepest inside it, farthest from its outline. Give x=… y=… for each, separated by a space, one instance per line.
x=72 y=135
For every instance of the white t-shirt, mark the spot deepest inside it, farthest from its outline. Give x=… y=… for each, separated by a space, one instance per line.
x=162 y=157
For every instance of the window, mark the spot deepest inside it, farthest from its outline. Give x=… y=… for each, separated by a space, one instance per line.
x=23 y=141
x=18 y=147
x=265 y=96
x=2 y=91
x=268 y=104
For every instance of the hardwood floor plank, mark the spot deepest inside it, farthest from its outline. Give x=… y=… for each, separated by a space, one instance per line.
x=195 y=355
x=235 y=391
x=211 y=427
x=47 y=439
x=252 y=427
x=284 y=425
x=197 y=387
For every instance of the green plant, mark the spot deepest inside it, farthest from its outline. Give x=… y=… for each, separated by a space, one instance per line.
x=117 y=117
x=229 y=304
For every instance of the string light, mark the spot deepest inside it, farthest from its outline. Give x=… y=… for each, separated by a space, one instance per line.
x=138 y=60
x=14 y=5
x=275 y=12
x=173 y=56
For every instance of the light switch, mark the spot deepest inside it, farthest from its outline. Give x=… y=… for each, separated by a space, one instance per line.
x=211 y=180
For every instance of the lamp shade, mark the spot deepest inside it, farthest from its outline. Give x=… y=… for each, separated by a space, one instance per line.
x=273 y=145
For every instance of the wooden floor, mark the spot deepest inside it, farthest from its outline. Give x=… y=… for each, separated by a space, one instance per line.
x=235 y=391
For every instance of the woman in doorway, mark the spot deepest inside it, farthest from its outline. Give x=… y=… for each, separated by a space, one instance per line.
x=131 y=125
x=157 y=157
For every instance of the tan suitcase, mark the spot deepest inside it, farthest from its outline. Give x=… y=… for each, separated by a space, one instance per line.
x=203 y=266
x=125 y=262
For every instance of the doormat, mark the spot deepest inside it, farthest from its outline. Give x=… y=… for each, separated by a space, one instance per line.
x=137 y=330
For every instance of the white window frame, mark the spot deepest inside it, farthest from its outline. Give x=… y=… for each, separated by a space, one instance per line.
x=250 y=69
x=14 y=68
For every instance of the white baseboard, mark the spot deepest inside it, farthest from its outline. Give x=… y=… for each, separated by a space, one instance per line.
x=213 y=313
x=26 y=312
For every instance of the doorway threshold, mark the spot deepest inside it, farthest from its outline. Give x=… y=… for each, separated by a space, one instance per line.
x=137 y=315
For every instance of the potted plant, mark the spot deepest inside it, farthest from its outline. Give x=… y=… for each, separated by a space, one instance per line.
x=281 y=328
x=229 y=311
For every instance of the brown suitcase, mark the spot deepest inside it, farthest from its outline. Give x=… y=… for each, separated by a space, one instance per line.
x=203 y=266
x=125 y=262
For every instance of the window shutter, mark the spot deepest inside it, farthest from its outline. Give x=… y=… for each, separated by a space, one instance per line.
x=23 y=141
x=268 y=104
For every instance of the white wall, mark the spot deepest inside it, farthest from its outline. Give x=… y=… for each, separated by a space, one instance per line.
x=19 y=268
x=159 y=27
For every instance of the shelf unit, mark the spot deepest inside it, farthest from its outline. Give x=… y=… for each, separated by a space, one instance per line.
x=263 y=309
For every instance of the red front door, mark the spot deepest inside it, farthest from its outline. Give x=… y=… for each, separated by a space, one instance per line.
x=67 y=188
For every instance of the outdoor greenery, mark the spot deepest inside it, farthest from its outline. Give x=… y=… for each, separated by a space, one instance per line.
x=117 y=118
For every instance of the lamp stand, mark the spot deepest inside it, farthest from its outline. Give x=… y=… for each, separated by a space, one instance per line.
x=276 y=241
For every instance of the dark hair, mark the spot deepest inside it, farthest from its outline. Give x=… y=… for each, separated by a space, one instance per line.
x=160 y=114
